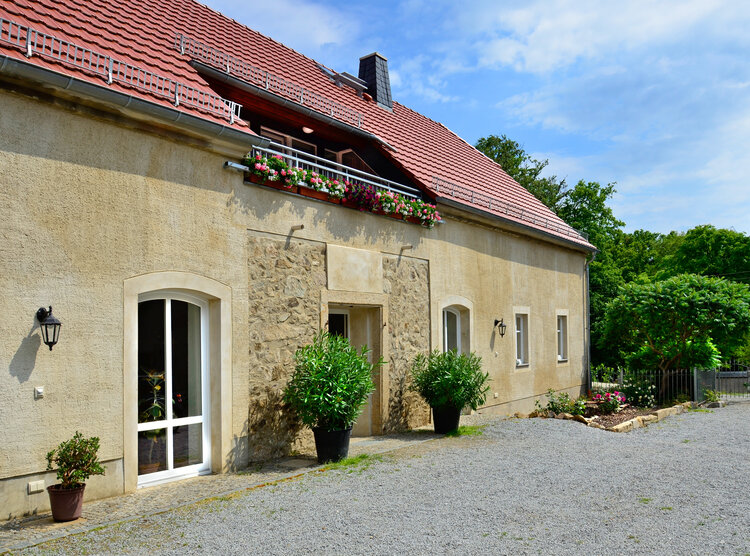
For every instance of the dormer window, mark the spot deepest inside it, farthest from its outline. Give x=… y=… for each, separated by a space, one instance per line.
x=349 y=158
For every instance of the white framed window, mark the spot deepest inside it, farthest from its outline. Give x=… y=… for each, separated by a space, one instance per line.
x=173 y=396
x=451 y=330
x=562 y=337
x=338 y=322
x=289 y=141
x=522 y=339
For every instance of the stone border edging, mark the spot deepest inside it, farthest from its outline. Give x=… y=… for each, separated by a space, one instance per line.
x=625 y=426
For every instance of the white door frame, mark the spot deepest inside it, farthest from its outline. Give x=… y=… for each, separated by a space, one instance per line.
x=169 y=423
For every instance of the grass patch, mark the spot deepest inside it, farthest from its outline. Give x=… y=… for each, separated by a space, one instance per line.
x=644 y=500
x=468 y=430
x=356 y=463
x=691 y=410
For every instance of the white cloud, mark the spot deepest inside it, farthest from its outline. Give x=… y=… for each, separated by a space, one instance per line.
x=543 y=36
x=305 y=26
x=420 y=76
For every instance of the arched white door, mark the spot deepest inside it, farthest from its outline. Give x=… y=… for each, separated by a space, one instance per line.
x=173 y=397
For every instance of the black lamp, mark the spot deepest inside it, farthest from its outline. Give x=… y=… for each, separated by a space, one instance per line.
x=49 y=326
x=501 y=325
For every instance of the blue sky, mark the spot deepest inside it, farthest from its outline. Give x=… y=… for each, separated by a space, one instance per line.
x=652 y=95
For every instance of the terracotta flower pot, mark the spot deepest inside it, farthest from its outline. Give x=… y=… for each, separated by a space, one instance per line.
x=314 y=193
x=66 y=503
x=276 y=184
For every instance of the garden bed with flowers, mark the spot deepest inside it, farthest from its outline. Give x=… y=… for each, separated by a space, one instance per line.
x=275 y=172
x=603 y=410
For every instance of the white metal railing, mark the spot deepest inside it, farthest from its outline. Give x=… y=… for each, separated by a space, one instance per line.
x=493 y=204
x=333 y=170
x=265 y=80
x=34 y=42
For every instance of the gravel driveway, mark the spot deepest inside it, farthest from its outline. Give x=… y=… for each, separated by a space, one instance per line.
x=531 y=486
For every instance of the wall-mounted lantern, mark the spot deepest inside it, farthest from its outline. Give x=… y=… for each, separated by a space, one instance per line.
x=49 y=326
x=501 y=326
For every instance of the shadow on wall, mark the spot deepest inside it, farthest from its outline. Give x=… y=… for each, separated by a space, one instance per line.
x=24 y=359
x=341 y=224
x=237 y=459
x=271 y=427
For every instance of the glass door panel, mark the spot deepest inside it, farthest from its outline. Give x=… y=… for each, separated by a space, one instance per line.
x=188 y=445
x=186 y=359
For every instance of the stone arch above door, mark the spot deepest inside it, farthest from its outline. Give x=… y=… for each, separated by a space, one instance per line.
x=218 y=296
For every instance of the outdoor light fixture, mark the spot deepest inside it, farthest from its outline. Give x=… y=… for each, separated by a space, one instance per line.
x=501 y=326
x=49 y=326
x=307 y=130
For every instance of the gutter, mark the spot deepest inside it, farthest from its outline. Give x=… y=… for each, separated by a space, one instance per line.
x=290 y=104
x=587 y=326
x=25 y=71
x=524 y=227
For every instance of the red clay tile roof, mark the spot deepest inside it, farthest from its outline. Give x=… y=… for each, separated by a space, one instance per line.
x=143 y=33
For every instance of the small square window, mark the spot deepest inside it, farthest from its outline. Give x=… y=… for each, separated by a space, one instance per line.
x=562 y=338
x=522 y=340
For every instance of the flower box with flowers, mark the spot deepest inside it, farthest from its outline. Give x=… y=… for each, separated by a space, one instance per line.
x=274 y=172
x=271 y=172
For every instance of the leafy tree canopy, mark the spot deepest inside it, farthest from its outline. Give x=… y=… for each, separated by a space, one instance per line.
x=712 y=252
x=686 y=320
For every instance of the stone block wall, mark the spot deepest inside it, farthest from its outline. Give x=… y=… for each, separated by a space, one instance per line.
x=407 y=283
x=284 y=283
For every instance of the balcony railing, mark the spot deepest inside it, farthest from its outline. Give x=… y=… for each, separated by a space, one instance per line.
x=333 y=170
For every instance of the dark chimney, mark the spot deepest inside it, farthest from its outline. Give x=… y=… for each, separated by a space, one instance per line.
x=373 y=69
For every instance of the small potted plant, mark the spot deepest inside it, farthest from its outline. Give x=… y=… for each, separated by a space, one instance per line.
x=449 y=382
x=330 y=384
x=76 y=460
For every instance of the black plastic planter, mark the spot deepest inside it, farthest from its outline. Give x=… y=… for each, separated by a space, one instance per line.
x=332 y=446
x=446 y=419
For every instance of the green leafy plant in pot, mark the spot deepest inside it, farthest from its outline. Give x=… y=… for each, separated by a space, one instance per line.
x=75 y=460
x=449 y=382
x=330 y=384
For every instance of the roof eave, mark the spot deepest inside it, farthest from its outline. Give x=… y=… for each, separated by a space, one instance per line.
x=27 y=72
x=522 y=228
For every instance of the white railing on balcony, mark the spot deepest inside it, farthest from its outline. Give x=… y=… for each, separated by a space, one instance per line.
x=333 y=170
x=264 y=79
x=36 y=43
x=460 y=193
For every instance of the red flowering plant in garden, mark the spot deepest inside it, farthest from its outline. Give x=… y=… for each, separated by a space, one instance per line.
x=609 y=402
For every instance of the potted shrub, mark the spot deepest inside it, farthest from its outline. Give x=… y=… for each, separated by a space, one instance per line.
x=449 y=382
x=76 y=460
x=331 y=382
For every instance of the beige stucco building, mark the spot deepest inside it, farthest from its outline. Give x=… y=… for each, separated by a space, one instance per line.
x=168 y=268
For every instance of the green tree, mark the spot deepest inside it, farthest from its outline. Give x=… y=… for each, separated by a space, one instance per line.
x=684 y=321
x=711 y=252
x=585 y=207
x=526 y=170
